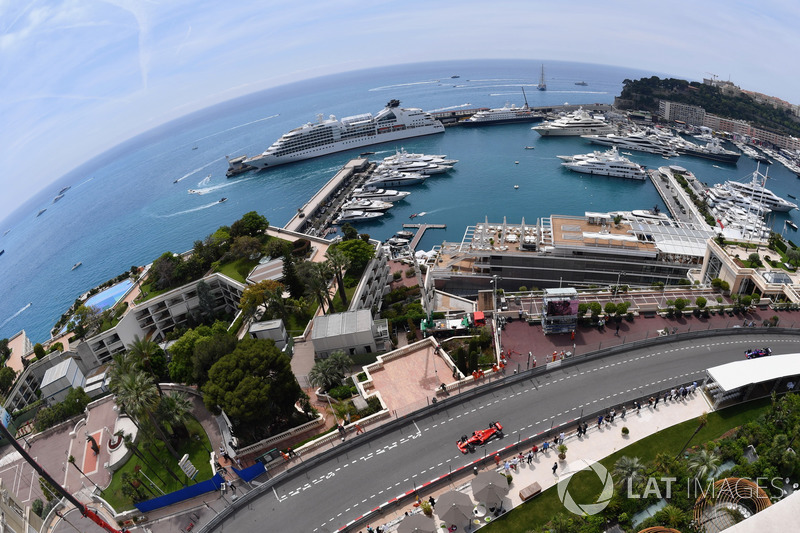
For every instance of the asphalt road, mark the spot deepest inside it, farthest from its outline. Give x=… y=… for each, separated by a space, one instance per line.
x=355 y=482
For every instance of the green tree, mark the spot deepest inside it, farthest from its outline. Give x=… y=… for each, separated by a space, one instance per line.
x=165 y=271
x=205 y=301
x=754 y=259
x=700 y=302
x=245 y=246
x=316 y=276
x=290 y=278
x=209 y=350
x=5 y=351
x=146 y=354
x=122 y=364
x=251 y=224
x=680 y=304
x=254 y=384
x=349 y=233
x=610 y=308
x=338 y=263
x=793 y=256
x=7 y=377
x=595 y=308
x=257 y=295
x=358 y=252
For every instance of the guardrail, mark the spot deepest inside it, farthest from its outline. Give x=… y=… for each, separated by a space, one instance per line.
x=448 y=402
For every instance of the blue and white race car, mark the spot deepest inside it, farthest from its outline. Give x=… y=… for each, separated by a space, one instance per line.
x=758 y=352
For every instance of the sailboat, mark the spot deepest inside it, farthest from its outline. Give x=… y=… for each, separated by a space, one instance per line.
x=542 y=85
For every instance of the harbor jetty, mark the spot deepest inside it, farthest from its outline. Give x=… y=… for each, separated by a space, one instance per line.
x=678 y=202
x=421 y=228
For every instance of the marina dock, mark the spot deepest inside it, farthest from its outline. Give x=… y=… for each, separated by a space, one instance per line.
x=421 y=228
x=677 y=201
x=316 y=215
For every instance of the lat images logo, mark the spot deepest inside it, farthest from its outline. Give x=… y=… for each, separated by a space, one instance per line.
x=588 y=508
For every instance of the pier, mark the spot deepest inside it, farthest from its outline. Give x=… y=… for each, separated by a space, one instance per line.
x=421 y=228
x=678 y=202
x=315 y=216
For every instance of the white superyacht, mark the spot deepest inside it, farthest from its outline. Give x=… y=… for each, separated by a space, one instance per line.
x=609 y=163
x=573 y=124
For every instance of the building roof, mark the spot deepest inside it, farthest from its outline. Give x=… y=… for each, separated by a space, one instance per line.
x=272 y=269
x=342 y=324
x=561 y=292
x=266 y=325
x=738 y=374
x=57 y=372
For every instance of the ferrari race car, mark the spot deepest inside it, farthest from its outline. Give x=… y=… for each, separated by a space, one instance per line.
x=482 y=436
x=758 y=352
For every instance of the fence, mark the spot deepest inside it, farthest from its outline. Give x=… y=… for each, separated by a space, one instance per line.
x=180 y=495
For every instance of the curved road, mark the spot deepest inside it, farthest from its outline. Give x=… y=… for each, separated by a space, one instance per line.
x=353 y=483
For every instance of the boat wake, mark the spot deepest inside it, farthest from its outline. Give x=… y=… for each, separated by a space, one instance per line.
x=195 y=171
x=237 y=127
x=411 y=84
x=200 y=208
x=206 y=190
x=449 y=108
x=205 y=181
x=15 y=315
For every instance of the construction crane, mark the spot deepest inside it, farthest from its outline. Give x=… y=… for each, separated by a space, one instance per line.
x=85 y=511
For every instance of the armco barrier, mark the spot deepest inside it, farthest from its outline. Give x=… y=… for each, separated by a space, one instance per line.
x=180 y=495
x=251 y=472
x=465 y=396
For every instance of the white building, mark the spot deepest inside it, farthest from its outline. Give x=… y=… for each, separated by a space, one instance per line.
x=352 y=332
x=270 y=329
x=58 y=380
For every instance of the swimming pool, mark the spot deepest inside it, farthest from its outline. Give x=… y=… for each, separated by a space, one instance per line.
x=110 y=296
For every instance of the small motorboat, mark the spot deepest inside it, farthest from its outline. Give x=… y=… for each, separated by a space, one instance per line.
x=195 y=148
x=176 y=181
x=792 y=196
x=76 y=265
x=791 y=224
x=223 y=199
x=412 y=215
x=530 y=148
x=516 y=186
x=366 y=153
x=516 y=162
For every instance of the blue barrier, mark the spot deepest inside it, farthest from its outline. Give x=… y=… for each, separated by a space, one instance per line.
x=180 y=495
x=251 y=472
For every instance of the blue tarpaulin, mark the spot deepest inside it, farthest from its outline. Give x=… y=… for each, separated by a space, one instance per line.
x=185 y=493
x=251 y=472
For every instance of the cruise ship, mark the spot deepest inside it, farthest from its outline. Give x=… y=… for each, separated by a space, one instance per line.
x=508 y=114
x=577 y=123
x=609 y=163
x=328 y=136
x=639 y=141
x=758 y=192
x=711 y=150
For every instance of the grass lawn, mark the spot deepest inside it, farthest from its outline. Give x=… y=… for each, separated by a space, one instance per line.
x=585 y=486
x=338 y=306
x=198 y=451
x=147 y=291
x=233 y=269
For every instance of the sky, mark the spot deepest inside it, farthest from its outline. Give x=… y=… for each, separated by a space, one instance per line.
x=78 y=77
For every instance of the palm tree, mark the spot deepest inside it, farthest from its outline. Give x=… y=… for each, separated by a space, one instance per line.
x=122 y=364
x=142 y=350
x=324 y=375
x=628 y=470
x=663 y=462
x=340 y=362
x=702 y=420
x=672 y=516
x=137 y=395
x=132 y=446
x=71 y=460
x=174 y=411
x=317 y=283
x=338 y=262
x=704 y=464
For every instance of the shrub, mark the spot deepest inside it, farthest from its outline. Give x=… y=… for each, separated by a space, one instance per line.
x=410 y=273
x=625 y=430
x=509 y=478
x=342 y=392
x=397 y=275
x=426 y=508
x=37 y=506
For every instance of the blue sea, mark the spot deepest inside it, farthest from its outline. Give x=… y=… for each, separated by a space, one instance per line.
x=124 y=207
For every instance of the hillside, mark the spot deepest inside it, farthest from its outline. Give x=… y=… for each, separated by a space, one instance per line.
x=645 y=93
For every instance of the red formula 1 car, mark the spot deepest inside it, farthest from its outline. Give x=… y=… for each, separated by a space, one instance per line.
x=758 y=352
x=482 y=436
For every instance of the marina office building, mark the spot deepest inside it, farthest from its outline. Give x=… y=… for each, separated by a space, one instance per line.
x=573 y=251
